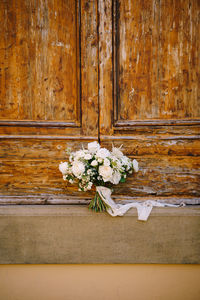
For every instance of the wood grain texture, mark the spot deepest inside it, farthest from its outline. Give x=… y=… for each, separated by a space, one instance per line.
x=152 y=96
x=105 y=67
x=89 y=67
x=41 y=52
x=157 y=59
x=158 y=176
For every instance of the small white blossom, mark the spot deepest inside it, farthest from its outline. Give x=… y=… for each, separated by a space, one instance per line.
x=100 y=160
x=94 y=163
x=64 y=177
x=88 y=156
x=106 y=162
x=71 y=181
x=89 y=185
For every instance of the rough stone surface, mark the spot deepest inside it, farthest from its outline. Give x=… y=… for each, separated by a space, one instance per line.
x=73 y=234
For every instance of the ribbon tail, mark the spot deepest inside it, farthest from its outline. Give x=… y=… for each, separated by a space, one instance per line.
x=144 y=211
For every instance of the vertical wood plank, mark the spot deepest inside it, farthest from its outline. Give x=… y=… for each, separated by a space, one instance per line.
x=105 y=66
x=89 y=67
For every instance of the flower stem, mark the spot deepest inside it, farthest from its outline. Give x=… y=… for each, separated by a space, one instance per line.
x=97 y=204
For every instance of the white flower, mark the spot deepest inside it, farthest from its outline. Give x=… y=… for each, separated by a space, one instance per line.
x=71 y=181
x=119 y=165
x=100 y=160
x=135 y=165
x=79 y=154
x=103 y=153
x=89 y=185
x=106 y=162
x=78 y=168
x=116 y=152
x=94 y=163
x=116 y=178
x=88 y=156
x=64 y=177
x=71 y=158
x=64 y=167
x=125 y=160
x=93 y=147
x=106 y=173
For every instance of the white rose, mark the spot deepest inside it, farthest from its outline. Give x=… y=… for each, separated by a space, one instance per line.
x=78 y=168
x=116 y=178
x=106 y=162
x=106 y=173
x=88 y=156
x=135 y=165
x=103 y=153
x=64 y=167
x=94 y=163
x=93 y=147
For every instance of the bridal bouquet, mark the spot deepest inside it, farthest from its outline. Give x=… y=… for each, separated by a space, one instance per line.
x=99 y=167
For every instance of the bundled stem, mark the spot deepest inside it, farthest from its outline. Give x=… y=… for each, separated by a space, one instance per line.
x=97 y=204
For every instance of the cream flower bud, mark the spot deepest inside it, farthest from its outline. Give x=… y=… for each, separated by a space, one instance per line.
x=135 y=166
x=94 y=163
x=63 y=167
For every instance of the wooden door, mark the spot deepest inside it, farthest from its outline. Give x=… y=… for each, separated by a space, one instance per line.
x=48 y=94
x=149 y=89
x=124 y=72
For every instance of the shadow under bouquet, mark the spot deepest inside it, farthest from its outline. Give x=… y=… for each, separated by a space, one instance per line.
x=99 y=167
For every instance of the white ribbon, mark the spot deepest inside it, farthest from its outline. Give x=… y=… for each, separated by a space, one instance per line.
x=143 y=208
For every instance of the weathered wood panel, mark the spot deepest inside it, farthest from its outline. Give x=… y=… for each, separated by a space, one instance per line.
x=140 y=146
x=150 y=88
x=40 y=60
x=157 y=59
x=158 y=176
x=48 y=91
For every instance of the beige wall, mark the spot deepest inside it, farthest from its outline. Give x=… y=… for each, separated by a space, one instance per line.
x=103 y=282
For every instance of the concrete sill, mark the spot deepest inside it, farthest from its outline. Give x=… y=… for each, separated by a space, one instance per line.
x=64 y=234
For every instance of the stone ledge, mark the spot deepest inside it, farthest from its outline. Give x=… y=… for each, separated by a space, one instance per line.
x=72 y=234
